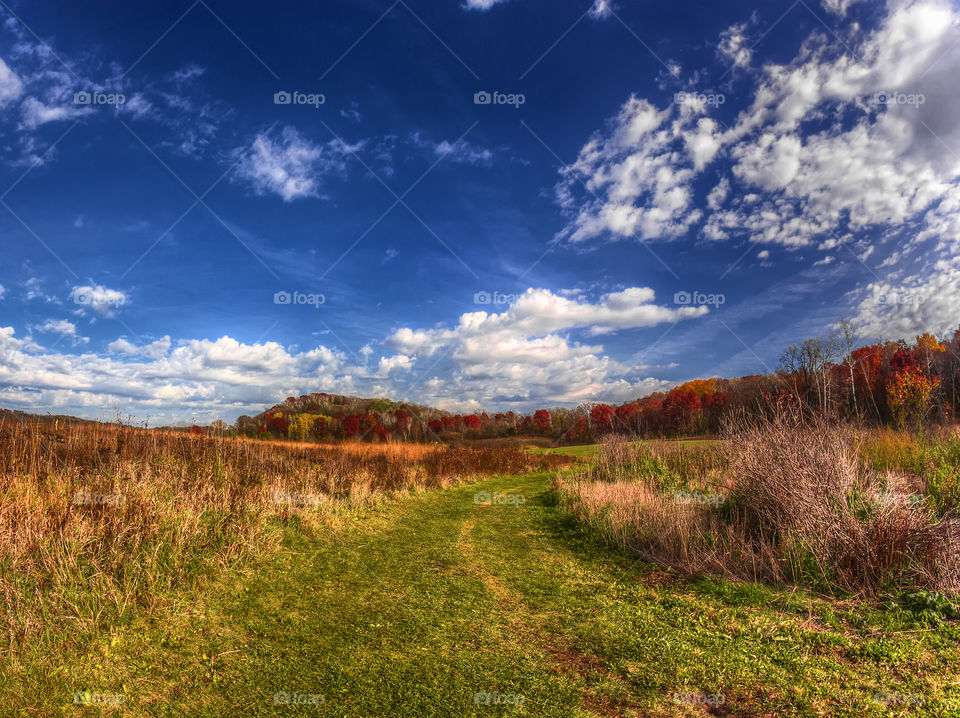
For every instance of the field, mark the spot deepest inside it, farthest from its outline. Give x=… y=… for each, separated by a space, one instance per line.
x=586 y=451
x=161 y=575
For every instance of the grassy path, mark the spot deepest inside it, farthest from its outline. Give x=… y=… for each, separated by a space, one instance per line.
x=432 y=599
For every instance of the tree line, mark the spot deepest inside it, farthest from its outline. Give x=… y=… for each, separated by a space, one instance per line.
x=900 y=383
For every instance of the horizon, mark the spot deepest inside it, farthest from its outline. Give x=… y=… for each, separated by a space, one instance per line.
x=469 y=205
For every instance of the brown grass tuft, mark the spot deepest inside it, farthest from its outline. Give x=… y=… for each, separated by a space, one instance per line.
x=99 y=520
x=782 y=502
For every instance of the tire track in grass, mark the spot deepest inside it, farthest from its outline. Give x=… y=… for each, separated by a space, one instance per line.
x=558 y=651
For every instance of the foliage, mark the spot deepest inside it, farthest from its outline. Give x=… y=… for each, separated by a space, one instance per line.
x=891 y=383
x=909 y=394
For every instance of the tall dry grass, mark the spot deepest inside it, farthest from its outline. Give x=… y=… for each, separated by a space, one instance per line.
x=100 y=521
x=782 y=503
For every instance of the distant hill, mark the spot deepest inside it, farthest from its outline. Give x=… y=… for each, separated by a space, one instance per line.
x=24 y=416
x=321 y=415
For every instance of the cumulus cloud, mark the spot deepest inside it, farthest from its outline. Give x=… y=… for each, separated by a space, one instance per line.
x=11 y=86
x=398 y=362
x=199 y=378
x=103 y=300
x=523 y=358
x=922 y=302
x=733 y=45
x=895 y=157
x=62 y=327
x=838 y=7
x=152 y=350
x=638 y=178
x=519 y=356
x=291 y=166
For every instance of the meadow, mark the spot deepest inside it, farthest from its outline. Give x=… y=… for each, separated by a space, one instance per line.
x=786 y=569
x=100 y=522
x=787 y=502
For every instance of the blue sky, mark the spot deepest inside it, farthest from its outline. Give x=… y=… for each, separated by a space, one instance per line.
x=653 y=193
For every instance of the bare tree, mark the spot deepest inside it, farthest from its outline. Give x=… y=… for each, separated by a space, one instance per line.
x=848 y=335
x=809 y=365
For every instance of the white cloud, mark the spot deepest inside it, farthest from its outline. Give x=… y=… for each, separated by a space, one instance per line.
x=2 y=291
x=58 y=326
x=638 y=178
x=519 y=356
x=11 y=86
x=733 y=45
x=800 y=176
x=601 y=9
x=36 y=113
x=100 y=299
x=153 y=350
x=838 y=7
x=923 y=302
x=459 y=152
x=34 y=290
x=291 y=166
x=200 y=378
x=397 y=362
x=63 y=328
x=481 y=4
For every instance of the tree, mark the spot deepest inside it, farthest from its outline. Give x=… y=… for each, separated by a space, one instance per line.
x=909 y=394
x=541 y=419
x=808 y=365
x=847 y=334
x=602 y=416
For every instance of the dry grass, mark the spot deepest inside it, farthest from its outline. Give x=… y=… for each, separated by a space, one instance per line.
x=101 y=521
x=780 y=502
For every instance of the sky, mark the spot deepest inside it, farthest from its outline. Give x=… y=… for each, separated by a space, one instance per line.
x=208 y=206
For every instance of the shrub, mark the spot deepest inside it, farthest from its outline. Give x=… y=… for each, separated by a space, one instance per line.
x=801 y=506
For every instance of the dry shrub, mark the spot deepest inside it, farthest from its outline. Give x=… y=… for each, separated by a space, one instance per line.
x=98 y=519
x=802 y=507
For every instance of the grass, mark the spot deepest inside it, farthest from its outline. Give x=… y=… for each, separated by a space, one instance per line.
x=413 y=589
x=783 y=502
x=100 y=523
x=413 y=607
x=587 y=451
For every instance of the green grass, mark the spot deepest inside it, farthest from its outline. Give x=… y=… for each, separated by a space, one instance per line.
x=413 y=607
x=587 y=451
